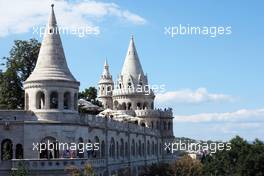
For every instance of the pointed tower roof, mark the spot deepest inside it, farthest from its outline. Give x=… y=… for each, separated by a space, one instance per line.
x=106 y=69
x=51 y=63
x=132 y=66
x=106 y=76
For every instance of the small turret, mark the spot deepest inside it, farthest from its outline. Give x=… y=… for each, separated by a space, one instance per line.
x=105 y=87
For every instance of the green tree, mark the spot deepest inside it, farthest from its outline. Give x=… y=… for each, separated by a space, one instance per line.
x=88 y=170
x=160 y=169
x=11 y=92
x=242 y=159
x=186 y=166
x=90 y=94
x=19 y=65
x=22 y=170
x=73 y=170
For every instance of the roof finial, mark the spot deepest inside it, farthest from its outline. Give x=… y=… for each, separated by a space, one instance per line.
x=132 y=37
x=106 y=63
x=52 y=5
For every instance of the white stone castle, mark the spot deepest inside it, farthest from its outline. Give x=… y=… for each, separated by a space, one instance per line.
x=130 y=133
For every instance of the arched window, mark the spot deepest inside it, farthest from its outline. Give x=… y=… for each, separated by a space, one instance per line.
x=80 y=151
x=152 y=148
x=112 y=148
x=54 y=103
x=152 y=105
x=129 y=85
x=103 y=148
x=133 y=147
x=145 y=105
x=126 y=149
x=117 y=149
x=136 y=149
x=96 y=152
x=89 y=151
x=40 y=100
x=164 y=125
x=115 y=105
x=122 y=148
x=26 y=101
x=52 y=142
x=143 y=149
x=19 y=151
x=152 y=124
x=109 y=89
x=123 y=106
x=160 y=149
x=6 y=149
x=138 y=105
x=129 y=106
x=169 y=125
x=67 y=100
x=139 y=148
x=156 y=149
x=148 y=147
x=75 y=101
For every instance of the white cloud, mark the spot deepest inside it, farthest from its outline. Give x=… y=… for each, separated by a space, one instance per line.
x=246 y=117
x=200 y=95
x=18 y=16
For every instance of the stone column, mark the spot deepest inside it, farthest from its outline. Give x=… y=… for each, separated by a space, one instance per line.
x=72 y=101
x=47 y=99
x=60 y=100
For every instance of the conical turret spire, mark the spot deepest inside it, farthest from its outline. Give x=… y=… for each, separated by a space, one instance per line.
x=132 y=66
x=51 y=63
x=106 y=72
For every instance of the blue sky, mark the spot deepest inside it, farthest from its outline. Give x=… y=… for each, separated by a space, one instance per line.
x=215 y=85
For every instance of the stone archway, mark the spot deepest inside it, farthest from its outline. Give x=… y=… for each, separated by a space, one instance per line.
x=6 y=149
x=19 y=151
x=51 y=151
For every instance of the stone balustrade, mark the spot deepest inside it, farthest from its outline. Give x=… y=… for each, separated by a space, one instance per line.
x=61 y=164
x=118 y=92
x=115 y=125
x=16 y=115
x=58 y=164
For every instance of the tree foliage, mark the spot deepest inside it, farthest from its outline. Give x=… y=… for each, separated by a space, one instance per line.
x=19 y=65
x=73 y=170
x=243 y=159
x=187 y=166
x=160 y=169
x=22 y=170
x=90 y=94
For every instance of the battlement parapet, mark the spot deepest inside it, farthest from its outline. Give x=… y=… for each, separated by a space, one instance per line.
x=156 y=113
x=16 y=115
x=131 y=91
x=109 y=123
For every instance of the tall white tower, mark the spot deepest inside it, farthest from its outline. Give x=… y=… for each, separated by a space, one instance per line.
x=51 y=90
x=132 y=91
x=105 y=87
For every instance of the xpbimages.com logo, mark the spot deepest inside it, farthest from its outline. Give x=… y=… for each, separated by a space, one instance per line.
x=196 y=146
x=209 y=31
x=81 y=31
x=63 y=146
